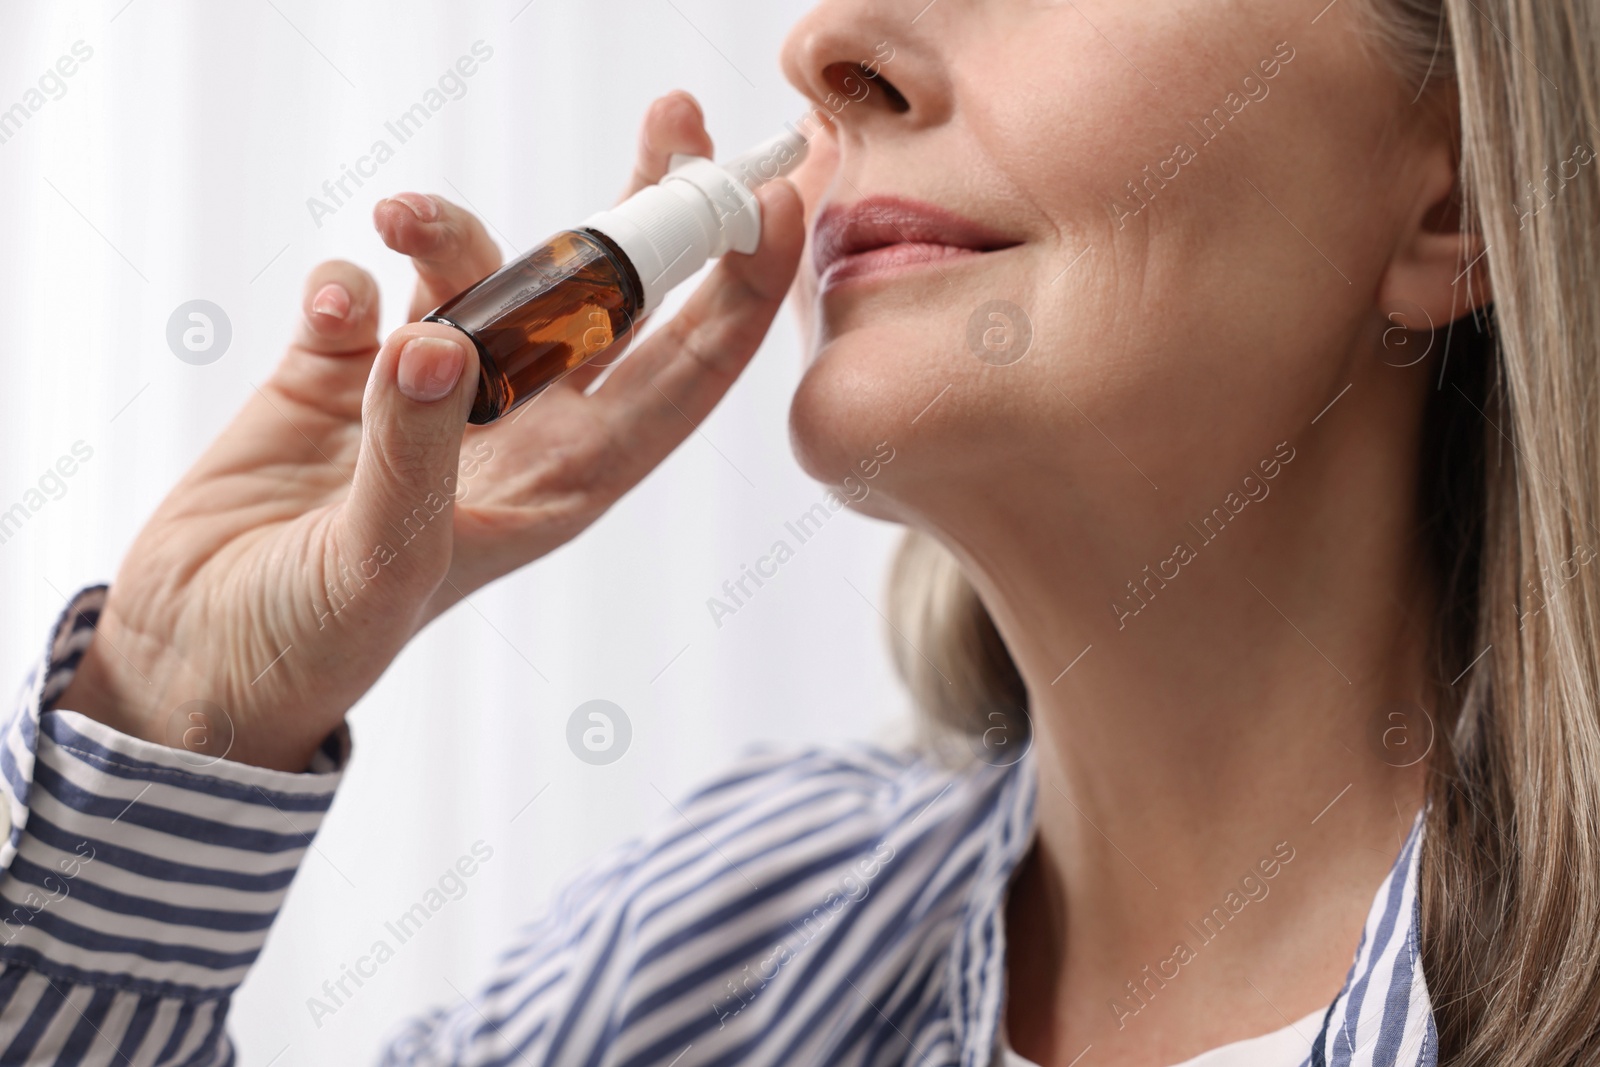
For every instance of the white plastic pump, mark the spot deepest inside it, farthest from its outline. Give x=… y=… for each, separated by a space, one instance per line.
x=697 y=212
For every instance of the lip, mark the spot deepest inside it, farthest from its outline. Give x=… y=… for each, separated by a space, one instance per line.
x=882 y=234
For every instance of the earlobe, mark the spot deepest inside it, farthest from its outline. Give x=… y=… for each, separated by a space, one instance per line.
x=1439 y=264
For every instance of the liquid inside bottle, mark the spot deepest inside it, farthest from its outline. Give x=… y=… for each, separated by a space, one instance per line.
x=570 y=301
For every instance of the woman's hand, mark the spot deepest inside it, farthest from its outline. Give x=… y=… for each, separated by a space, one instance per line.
x=345 y=507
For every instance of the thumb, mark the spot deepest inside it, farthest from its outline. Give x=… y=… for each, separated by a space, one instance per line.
x=398 y=517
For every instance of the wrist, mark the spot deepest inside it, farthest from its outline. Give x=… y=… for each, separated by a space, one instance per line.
x=94 y=692
x=155 y=707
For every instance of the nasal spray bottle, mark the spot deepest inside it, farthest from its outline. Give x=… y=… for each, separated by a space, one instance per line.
x=579 y=295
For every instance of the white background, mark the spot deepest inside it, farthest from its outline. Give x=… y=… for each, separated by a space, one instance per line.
x=177 y=166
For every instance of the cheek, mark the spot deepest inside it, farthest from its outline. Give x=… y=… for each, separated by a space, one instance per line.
x=1174 y=309
x=1182 y=335
x=1081 y=137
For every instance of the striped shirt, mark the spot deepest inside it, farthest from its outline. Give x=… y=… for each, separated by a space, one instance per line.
x=823 y=906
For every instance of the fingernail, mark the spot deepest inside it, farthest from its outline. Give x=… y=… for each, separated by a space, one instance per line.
x=430 y=368
x=425 y=208
x=332 y=300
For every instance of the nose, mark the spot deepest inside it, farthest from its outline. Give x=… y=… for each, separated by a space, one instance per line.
x=863 y=62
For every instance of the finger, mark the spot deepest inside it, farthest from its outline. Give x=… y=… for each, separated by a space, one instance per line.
x=674 y=124
x=338 y=311
x=664 y=389
x=412 y=418
x=450 y=248
x=337 y=336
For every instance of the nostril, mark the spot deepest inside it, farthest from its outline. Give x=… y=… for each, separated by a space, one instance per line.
x=897 y=102
x=856 y=82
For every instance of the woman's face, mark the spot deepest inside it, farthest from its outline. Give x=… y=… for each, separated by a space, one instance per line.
x=1184 y=215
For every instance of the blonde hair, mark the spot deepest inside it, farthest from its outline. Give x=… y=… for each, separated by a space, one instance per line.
x=1511 y=481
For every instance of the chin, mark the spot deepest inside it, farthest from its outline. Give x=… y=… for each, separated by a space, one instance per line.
x=850 y=419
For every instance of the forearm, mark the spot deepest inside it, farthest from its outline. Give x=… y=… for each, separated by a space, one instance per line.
x=137 y=882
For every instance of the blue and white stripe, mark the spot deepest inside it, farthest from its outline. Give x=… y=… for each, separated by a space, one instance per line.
x=138 y=889
x=813 y=907
x=1383 y=1017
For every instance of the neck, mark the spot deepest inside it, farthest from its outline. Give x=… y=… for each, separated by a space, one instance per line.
x=1261 y=699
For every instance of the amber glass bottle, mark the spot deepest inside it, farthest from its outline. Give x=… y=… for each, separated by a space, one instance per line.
x=582 y=293
x=567 y=302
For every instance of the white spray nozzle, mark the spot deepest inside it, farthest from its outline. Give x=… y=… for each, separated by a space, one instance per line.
x=770 y=159
x=697 y=212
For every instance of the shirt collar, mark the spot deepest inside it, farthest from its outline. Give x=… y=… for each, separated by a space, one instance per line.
x=1382 y=1016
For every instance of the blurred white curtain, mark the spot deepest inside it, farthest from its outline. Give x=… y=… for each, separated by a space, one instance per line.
x=175 y=163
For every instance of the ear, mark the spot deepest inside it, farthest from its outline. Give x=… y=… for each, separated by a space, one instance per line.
x=1437 y=265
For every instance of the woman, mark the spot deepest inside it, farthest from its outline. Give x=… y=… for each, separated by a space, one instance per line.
x=1181 y=308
